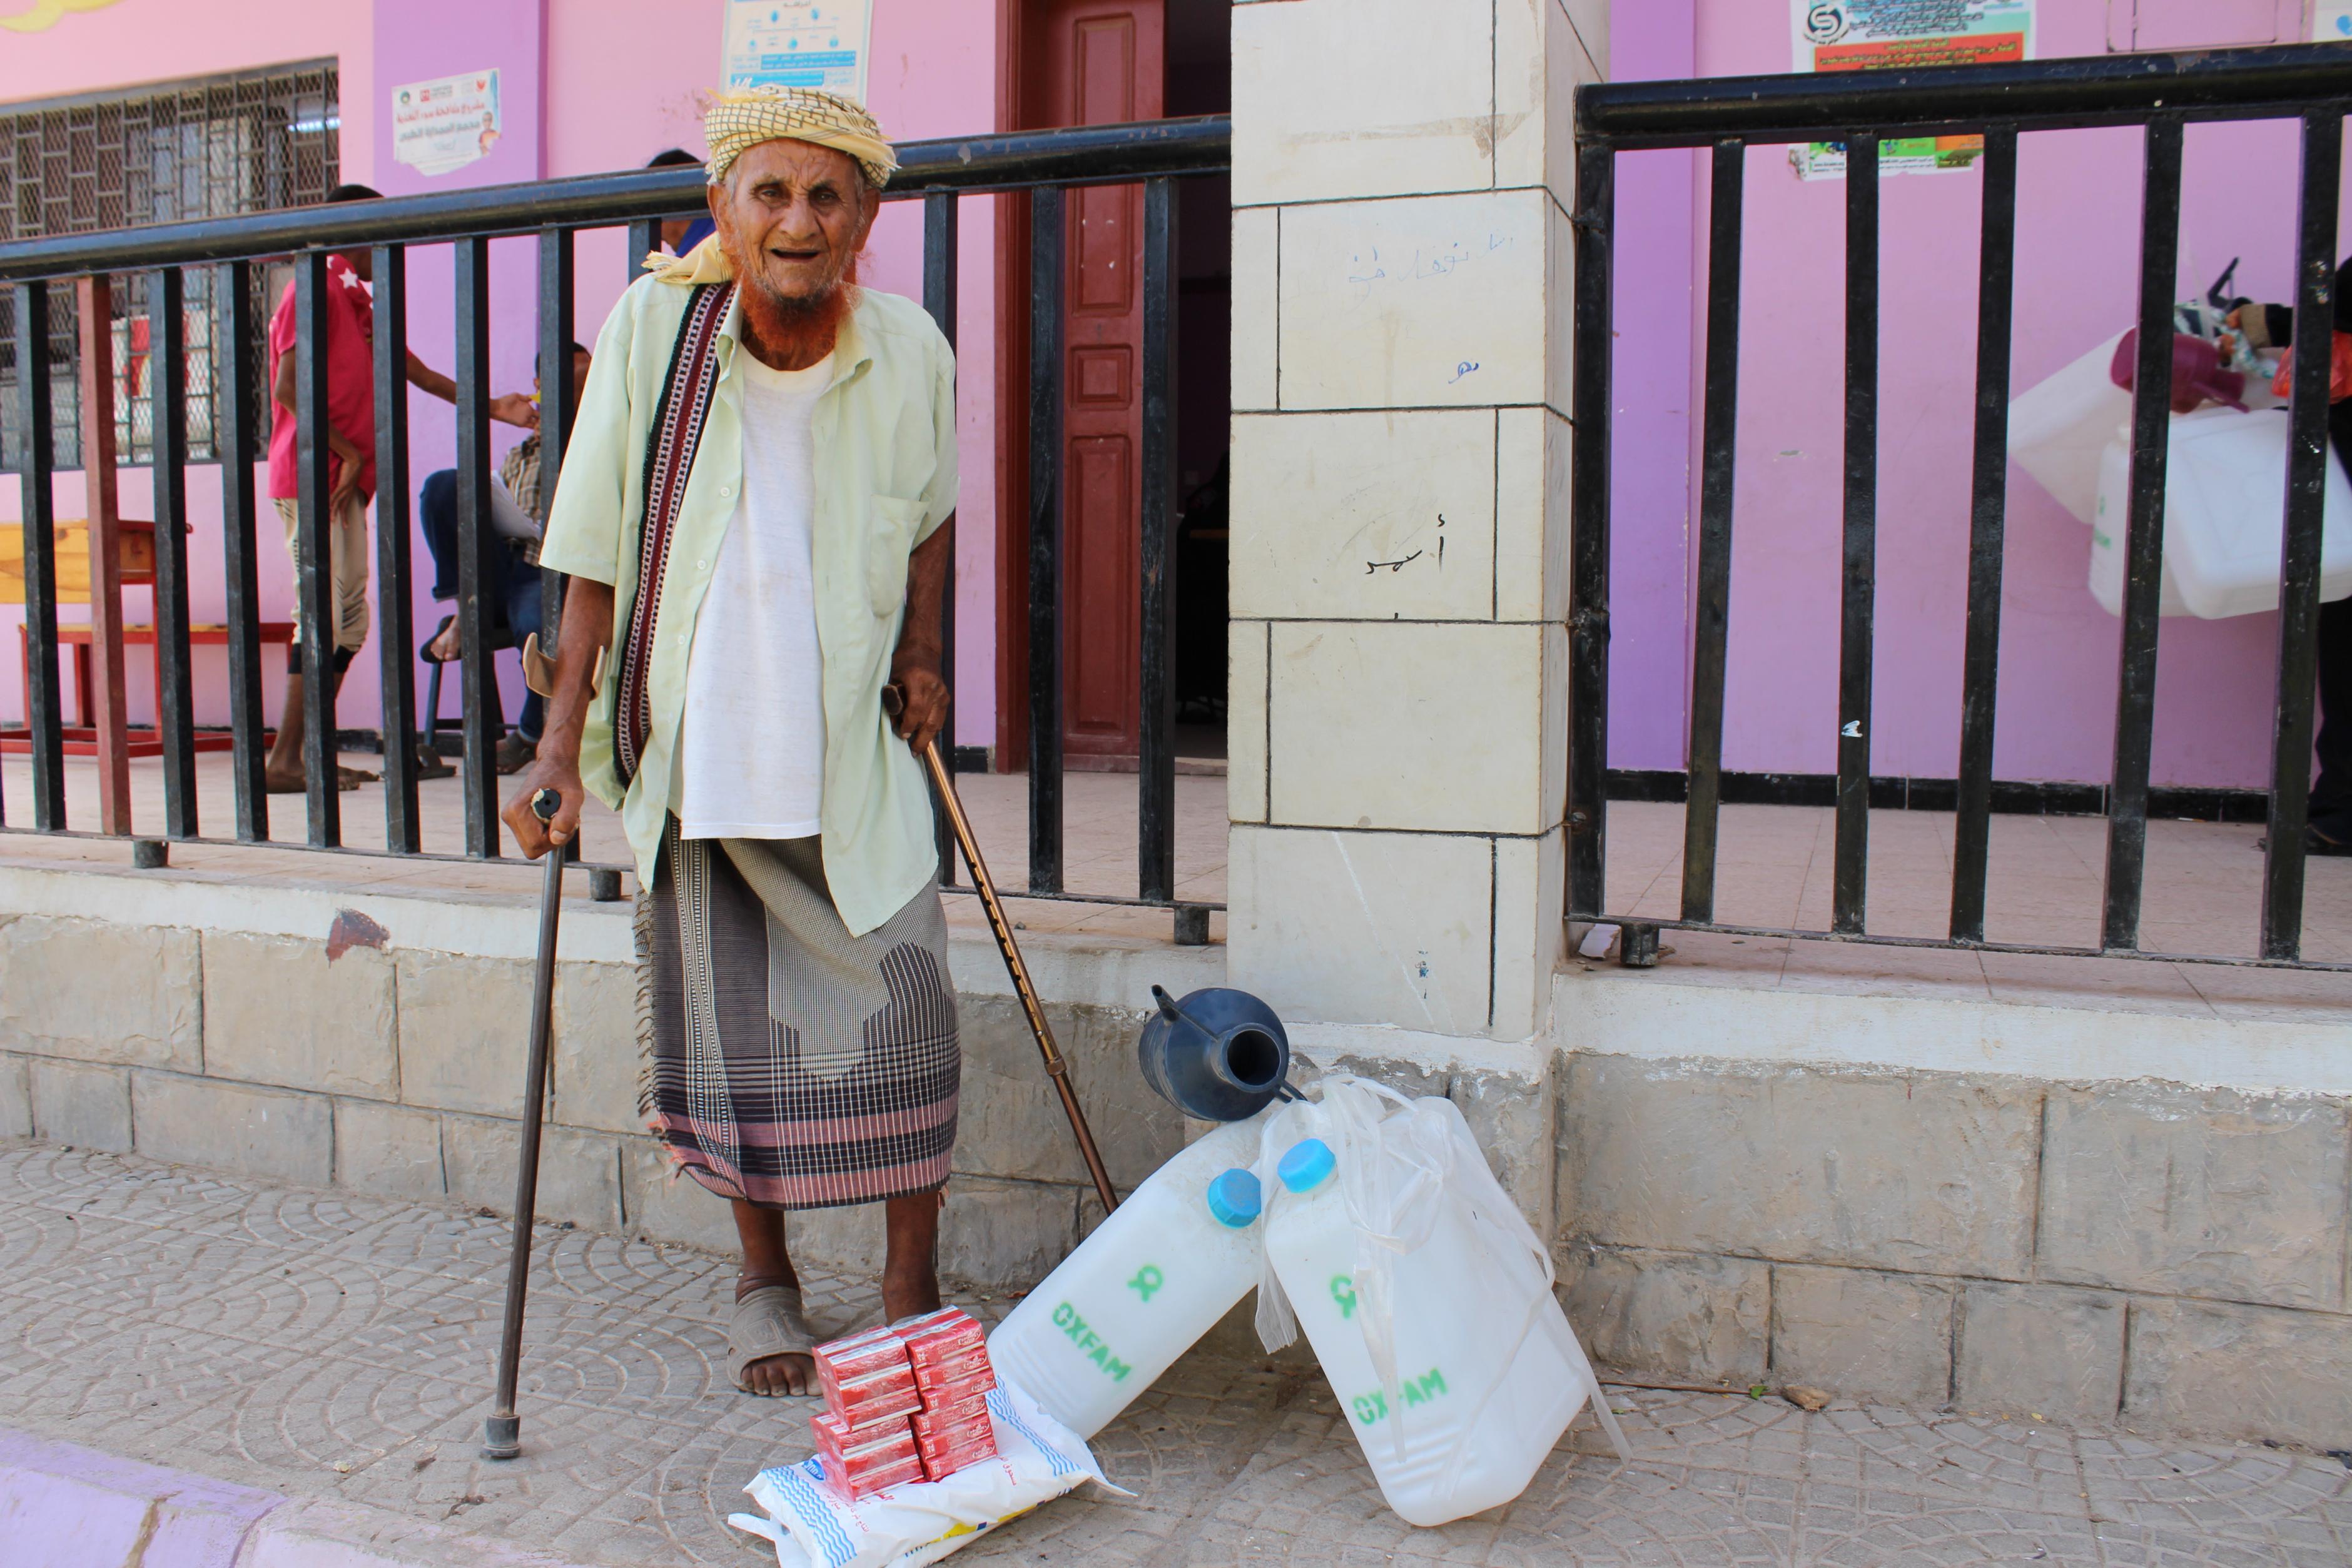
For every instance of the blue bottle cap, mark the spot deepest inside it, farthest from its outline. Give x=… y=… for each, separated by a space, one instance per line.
x=1304 y=1168
x=1234 y=1197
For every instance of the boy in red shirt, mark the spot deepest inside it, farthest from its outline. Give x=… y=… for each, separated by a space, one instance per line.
x=351 y=474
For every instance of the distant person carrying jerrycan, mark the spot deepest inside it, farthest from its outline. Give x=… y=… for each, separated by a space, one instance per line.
x=2329 y=831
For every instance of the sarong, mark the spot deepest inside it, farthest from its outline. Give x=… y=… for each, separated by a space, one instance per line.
x=787 y=1062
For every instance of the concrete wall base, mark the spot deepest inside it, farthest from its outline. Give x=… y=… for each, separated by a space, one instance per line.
x=2174 y=1255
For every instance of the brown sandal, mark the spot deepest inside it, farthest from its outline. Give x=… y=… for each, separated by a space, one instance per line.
x=765 y=1324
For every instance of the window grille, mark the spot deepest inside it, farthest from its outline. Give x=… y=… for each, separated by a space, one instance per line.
x=205 y=148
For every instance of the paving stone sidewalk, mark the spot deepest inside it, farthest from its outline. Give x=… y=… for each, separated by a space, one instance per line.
x=324 y=1345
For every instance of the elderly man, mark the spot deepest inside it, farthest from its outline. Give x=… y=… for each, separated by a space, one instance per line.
x=751 y=509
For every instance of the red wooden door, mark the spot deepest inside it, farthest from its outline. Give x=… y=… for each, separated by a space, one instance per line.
x=1101 y=62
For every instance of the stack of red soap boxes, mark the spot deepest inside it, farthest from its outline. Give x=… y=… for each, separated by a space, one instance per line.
x=904 y=1403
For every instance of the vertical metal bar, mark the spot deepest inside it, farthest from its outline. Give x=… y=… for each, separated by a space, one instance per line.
x=2307 y=500
x=476 y=679
x=1988 y=529
x=233 y=404
x=1588 y=628
x=395 y=646
x=102 y=527
x=644 y=238
x=37 y=447
x=1156 y=759
x=1046 y=458
x=2160 y=245
x=1718 y=455
x=939 y=213
x=556 y=391
x=167 y=340
x=1849 y=886
x=314 y=586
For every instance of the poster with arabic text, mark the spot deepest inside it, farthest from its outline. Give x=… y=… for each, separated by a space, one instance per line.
x=1903 y=34
x=798 y=43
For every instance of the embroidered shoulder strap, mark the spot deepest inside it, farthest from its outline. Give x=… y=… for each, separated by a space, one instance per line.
x=669 y=459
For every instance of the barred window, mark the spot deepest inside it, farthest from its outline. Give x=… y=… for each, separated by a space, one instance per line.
x=205 y=148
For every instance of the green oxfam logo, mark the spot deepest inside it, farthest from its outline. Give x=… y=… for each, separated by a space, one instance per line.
x=1147 y=1280
x=1343 y=1290
x=1370 y=1407
x=1090 y=1345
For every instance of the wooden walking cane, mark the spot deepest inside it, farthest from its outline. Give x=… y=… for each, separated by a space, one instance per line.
x=502 y=1430
x=1058 y=1067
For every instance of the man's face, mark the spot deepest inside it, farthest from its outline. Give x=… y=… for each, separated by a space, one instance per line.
x=793 y=216
x=578 y=380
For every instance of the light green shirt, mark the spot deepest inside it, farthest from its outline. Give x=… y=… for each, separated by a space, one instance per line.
x=885 y=478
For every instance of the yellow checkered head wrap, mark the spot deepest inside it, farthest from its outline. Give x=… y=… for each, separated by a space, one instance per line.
x=738 y=120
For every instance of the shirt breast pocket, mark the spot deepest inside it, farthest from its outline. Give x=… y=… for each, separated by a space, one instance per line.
x=888 y=543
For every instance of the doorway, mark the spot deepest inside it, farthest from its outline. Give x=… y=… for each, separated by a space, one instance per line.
x=1092 y=62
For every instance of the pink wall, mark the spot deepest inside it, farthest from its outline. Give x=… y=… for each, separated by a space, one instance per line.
x=614 y=91
x=2078 y=235
x=1652 y=490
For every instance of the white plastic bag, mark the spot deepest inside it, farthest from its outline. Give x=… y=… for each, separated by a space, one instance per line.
x=1037 y=1459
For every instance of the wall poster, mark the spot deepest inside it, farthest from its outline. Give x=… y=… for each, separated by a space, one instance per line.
x=797 y=43
x=440 y=126
x=1897 y=34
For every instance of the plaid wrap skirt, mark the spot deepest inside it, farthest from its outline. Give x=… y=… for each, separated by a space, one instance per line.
x=787 y=1062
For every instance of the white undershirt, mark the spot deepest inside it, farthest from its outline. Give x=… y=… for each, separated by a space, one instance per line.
x=751 y=756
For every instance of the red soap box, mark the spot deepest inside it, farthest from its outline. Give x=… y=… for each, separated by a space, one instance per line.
x=939 y=1467
x=904 y=1403
x=943 y=1338
x=866 y=1377
x=859 y=1462
x=960 y=1389
x=858 y=1355
x=866 y=1483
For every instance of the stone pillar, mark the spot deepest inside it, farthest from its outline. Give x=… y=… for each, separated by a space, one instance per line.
x=1404 y=171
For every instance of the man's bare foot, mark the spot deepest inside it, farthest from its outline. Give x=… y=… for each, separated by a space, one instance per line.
x=447 y=644
x=292 y=781
x=778 y=1375
x=909 y=1288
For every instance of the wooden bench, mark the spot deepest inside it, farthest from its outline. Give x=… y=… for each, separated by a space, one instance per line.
x=137 y=553
x=81 y=737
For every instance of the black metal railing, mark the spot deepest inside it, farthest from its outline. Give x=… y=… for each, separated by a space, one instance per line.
x=1043 y=164
x=2160 y=93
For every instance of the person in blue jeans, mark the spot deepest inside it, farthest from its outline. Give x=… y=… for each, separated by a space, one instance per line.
x=511 y=586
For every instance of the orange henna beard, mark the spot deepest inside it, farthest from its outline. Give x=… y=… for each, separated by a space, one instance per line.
x=798 y=331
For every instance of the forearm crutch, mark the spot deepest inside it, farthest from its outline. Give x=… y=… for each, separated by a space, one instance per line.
x=1058 y=1067
x=502 y=1430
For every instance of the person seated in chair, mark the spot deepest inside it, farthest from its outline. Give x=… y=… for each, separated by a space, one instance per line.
x=510 y=591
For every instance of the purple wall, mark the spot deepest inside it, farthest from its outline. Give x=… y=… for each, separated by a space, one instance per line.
x=1653 y=492
x=419 y=40
x=2078 y=210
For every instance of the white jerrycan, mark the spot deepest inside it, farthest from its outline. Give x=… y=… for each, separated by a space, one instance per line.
x=1142 y=1289
x=2111 y=533
x=1426 y=1296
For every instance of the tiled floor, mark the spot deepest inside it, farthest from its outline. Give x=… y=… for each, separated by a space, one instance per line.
x=336 y=1346
x=2046 y=876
